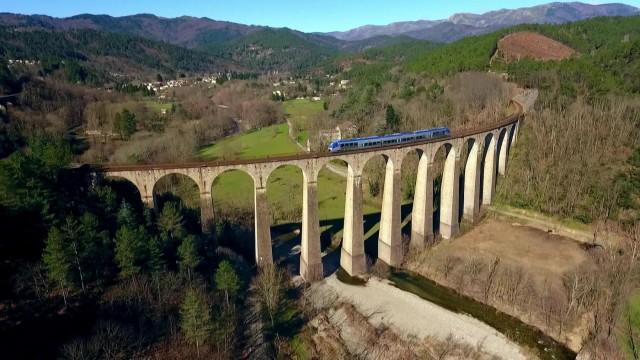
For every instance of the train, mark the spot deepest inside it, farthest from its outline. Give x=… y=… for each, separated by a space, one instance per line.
x=387 y=140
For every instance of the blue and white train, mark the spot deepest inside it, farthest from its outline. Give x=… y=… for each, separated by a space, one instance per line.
x=387 y=140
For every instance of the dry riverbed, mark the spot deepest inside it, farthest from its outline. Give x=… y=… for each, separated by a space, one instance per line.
x=413 y=318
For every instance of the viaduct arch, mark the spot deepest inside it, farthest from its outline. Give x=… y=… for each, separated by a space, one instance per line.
x=487 y=153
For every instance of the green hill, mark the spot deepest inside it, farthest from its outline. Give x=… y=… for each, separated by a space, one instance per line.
x=276 y=49
x=609 y=60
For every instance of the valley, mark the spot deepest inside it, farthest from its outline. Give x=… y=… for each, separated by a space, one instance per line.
x=166 y=188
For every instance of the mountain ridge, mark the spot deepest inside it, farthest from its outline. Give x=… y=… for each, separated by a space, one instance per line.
x=461 y=25
x=193 y=32
x=186 y=31
x=263 y=48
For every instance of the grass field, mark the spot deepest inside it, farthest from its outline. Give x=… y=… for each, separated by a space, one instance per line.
x=300 y=111
x=284 y=186
x=631 y=315
x=270 y=141
x=157 y=106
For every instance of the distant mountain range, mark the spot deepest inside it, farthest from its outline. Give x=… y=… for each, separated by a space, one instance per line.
x=261 y=48
x=194 y=32
x=249 y=47
x=463 y=25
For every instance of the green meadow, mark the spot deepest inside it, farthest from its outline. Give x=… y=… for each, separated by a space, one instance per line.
x=300 y=112
x=284 y=186
x=284 y=191
x=157 y=106
x=269 y=141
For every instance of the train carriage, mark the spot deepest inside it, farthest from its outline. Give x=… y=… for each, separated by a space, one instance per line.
x=387 y=140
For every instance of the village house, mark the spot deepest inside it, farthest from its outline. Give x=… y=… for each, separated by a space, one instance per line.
x=23 y=62
x=343 y=131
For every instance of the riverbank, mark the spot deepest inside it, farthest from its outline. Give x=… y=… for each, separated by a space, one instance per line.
x=519 y=270
x=414 y=317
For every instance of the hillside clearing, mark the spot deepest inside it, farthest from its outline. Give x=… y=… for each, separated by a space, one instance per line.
x=299 y=112
x=531 y=45
x=268 y=141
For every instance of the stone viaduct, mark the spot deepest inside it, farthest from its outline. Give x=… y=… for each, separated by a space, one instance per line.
x=486 y=151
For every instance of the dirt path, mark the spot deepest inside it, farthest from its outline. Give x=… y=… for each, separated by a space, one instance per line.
x=412 y=316
x=295 y=141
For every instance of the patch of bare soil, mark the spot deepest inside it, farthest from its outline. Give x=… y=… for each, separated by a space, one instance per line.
x=545 y=255
x=522 y=271
x=530 y=45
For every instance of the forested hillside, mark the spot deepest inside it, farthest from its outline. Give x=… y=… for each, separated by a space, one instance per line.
x=104 y=52
x=183 y=31
x=604 y=43
x=276 y=49
x=587 y=170
x=196 y=45
x=590 y=165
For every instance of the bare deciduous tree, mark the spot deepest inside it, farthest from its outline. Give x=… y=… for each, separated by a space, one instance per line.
x=269 y=285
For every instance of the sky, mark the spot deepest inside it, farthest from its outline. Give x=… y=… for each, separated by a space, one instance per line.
x=304 y=15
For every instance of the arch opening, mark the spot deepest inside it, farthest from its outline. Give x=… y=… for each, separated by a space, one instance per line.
x=446 y=191
x=408 y=188
x=183 y=192
x=512 y=136
x=487 y=170
x=125 y=190
x=501 y=152
x=469 y=183
x=284 y=198
x=437 y=169
x=232 y=194
x=332 y=194
x=373 y=183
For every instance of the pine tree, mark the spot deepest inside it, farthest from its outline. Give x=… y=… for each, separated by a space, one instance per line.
x=125 y=124
x=129 y=242
x=126 y=215
x=171 y=222
x=392 y=119
x=227 y=280
x=188 y=254
x=155 y=260
x=96 y=250
x=155 y=263
x=195 y=318
x=57 y=261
